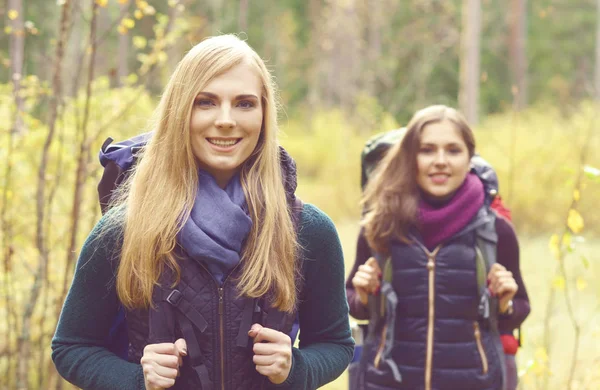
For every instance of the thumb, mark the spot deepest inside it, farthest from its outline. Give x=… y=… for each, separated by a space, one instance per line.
x=254 y=330
x=181 y=347
x=372 y=262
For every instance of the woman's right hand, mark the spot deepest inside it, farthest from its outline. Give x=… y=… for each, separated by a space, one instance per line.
x=366 y=280
x=161 y=362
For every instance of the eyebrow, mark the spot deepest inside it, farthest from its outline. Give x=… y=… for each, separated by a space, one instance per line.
x=238 y=97
x=434 y=144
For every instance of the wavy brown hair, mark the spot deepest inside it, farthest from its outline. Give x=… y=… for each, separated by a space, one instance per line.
x=391 y=198
x=160 y=193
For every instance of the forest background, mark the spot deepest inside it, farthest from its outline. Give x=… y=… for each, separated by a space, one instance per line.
x=526 y=73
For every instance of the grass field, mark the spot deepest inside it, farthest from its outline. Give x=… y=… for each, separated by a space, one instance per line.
x=538 y=266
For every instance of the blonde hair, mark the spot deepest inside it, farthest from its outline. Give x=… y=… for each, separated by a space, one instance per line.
x=391 y=198
x=158 y=197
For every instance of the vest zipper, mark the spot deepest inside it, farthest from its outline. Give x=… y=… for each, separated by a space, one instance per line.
x=431 y=315
x=222 y=338
x=484 y=361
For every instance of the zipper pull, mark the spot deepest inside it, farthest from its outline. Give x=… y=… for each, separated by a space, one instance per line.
x=220 y=300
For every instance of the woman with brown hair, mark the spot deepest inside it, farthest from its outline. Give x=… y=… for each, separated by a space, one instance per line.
x=436 y=273
x=209 y=251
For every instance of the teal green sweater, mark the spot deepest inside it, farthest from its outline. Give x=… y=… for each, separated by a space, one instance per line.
x=325 y=348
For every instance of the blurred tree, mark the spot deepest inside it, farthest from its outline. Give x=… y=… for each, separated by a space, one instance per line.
x=16 y=30
x=518 y=54
x=597 y=71
x=470 y=60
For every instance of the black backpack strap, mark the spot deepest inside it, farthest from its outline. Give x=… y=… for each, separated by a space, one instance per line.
x=174 y=309
x=486 y=248
x=486 y=254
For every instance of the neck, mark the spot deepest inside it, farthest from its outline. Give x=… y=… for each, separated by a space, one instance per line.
x=437 y=201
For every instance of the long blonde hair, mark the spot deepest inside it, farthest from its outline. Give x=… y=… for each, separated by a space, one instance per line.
x=391 y=198
x=159 y=195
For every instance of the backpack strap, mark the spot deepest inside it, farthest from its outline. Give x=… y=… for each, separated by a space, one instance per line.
x=486 y=254
x=174 y=309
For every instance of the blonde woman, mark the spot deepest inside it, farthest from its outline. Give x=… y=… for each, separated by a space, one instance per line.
x=436 y=272
x=200 y=247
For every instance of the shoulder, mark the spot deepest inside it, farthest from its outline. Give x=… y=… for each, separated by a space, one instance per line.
x=106 y=237
x=315 y=223
x=505 y=230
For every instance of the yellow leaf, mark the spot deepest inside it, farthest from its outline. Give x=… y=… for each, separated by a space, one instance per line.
x=102 y=3
x=123 y=1
x=131 y=79
x=7 y=30
x=162 y=57
x=575 y=221
x=558 y=283
x=139 y=42
x=138 y=14
x=581 y=284
x=128 y=22
x=13 y=14
x=149 y=10
x=173 y=3
x=122 y=29
x=576 y=195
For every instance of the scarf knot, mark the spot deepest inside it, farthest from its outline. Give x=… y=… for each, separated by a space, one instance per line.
x=217 y=226
x=438 y=224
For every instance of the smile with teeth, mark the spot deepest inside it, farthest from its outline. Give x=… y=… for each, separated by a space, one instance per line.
x=223 y=142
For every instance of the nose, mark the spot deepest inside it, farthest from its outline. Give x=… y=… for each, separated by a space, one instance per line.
x=225 y=120
x=440 y=158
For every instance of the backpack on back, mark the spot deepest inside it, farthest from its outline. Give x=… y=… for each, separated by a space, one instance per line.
x=118 y=160
x=373 y=152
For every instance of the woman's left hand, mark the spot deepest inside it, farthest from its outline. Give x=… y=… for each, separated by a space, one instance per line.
x=503 y=285
x=272 y=353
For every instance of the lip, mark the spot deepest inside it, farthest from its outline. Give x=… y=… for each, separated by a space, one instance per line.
x=439 y=178
x=221 y=148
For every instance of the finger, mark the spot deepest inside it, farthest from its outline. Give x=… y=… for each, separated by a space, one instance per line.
x=361 y=279
x=270 y=370
x=162 y=348
x=272 y=336
x=166 y=372
x=372 y=262
x=275 y=349
x=497 y=267
x=254 y=330
x=181 y=347
x=157 y=382
x=160 y=360
x=367 y=271
x=264 y=360
x=367 y=282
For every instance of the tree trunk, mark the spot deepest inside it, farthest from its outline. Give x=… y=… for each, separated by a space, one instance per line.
x=597 y=71
x=55 y=98
x=17 y=48
x=518 y=58
x=243 y=16
x=375 y=9
x=470 y=60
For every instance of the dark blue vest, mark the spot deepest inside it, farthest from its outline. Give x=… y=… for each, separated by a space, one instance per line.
x=437 y=338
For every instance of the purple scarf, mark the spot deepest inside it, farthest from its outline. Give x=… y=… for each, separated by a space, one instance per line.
x=440 y=223
x=218 y=225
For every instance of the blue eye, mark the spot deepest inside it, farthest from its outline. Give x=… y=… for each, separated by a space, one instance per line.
x=246 y=104
x=204 y=102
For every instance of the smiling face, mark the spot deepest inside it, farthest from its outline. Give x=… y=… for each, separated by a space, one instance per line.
x=443 y=160
x=226 y=121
